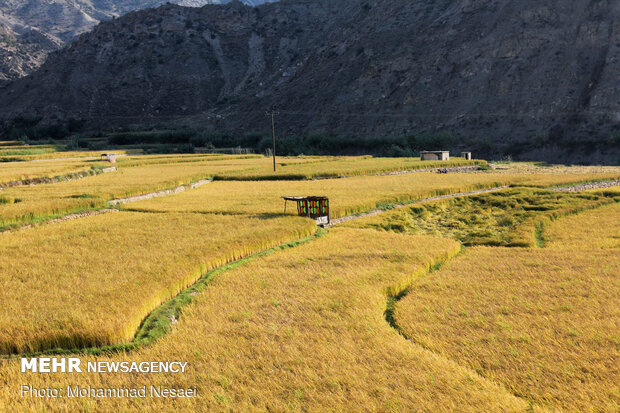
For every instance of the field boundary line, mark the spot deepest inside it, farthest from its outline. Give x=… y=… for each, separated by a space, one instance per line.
x=397 y=292
x=55 y=220
x=587 y=186
x=158 y=194
x=71 y=176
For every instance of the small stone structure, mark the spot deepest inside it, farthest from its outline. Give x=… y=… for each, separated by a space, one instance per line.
x=110 y=157
x=435 y=155
x=466 y=155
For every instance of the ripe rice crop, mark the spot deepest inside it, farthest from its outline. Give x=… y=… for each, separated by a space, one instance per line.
x=140 y=160
x=299 y=330
x=45 y=154
x=542 y=322
x=507 y=218
x=347 y=196
x=92 y=281
x=337 y=167
x=21 y=150
x=47 y=201
x=18 y=171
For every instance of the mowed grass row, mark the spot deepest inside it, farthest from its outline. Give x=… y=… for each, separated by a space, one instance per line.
x=543 y=322
x=91 y=282
x=300 y=330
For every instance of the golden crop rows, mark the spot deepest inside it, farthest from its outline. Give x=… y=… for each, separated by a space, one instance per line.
x=18 y=171
x=302 y=329
x=338 y=167
x=347 y=196
x=308 y=328
x=543 y=322
x=90 y=282
x=44 y=201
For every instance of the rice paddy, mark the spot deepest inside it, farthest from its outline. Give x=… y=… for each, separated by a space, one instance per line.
x=503 y=301
x=120 y=267
x=11 y=172
x=511 y=217
x=543 y=322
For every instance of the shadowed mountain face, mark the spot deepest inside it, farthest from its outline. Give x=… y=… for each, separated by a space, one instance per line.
x=31 y=29
x=498 y=74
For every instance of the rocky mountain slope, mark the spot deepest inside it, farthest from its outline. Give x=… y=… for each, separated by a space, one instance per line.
x=31 y=29
x=539 y=78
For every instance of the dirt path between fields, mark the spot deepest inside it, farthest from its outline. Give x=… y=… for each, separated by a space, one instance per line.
x=158 y=194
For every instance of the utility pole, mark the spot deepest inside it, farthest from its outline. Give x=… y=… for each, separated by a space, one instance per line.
x=273 y=114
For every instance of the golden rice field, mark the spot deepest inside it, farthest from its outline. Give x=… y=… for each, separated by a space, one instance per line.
x=300 y=330
x=541 y=322
x=511 y=217
x=389 y=313
x=44 y=201
x=20 y=171
x=117 y=269
x=49 y=152
x=352 y=195
x=347 y=196
x=334 y=167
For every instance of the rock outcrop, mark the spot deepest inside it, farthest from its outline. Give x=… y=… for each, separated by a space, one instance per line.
x=30 y=30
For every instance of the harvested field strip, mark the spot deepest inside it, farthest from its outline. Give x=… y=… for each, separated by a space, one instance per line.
x=544 y=322
x=514 y=217
x=302 y=329
x=86 y=299
x=391 y=207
